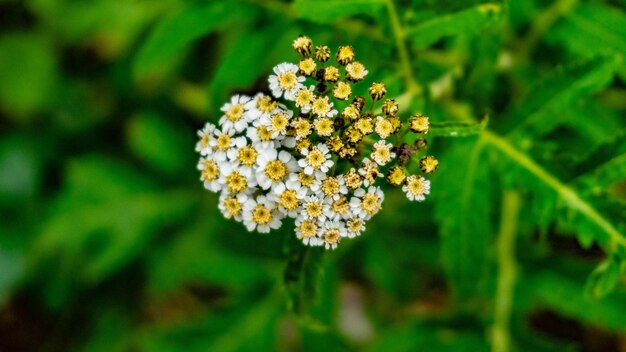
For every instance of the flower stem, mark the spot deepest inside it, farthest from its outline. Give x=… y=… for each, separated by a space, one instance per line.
x=413 y=87
x=507 y=272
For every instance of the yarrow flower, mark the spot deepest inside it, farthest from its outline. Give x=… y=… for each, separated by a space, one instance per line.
x=314 y=150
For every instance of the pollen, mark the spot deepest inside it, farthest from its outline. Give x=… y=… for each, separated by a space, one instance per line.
x=302 y=128
x=287 y=80
x=210 y=170
x=265 y=134
x=353 y=179
x=370 y=203
x=236 y=182
x=341 y=206
x=330 y=186
x=279 y=122
x=307 y=229
x=266 y=105
x=233 y=206
x=316 y=158
x=247 y=155
x=235 y=113
x=324 y=126
x=331 y=74
x=223 y=142
x=262 y=215
x=289 y=200
x=314 y=209
x=306 y=180
x=276 y=170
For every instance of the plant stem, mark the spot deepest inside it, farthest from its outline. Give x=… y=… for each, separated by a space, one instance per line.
x=414 y=88
x=507 y=272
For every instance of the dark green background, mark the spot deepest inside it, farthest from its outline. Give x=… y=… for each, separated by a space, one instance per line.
x=108 y=241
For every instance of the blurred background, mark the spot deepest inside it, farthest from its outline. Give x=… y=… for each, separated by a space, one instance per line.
x=108 y=242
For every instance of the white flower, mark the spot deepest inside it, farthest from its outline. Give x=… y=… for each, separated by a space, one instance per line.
x=285 y=81
x=307 y=231
x=332 y=233
x=416 y=188
x=210 y=173
x=354 y=227
x=275 y=168
x=222 y=142
x=321 y=107
x=261 y=214
x=259 y=107
x=206 y=135
x=370 y=171
x=232 y=205
x=304 y=98
x=314 y=208
x=288 y=196
x=234 y=114
x=244 y=154
x=367 y=204
x=316 y=159
x=312 y=183
x=261 y=138
x=340 y=208
x=236 y=179
x=278 y=122
x=381 y=152
x=334 y=186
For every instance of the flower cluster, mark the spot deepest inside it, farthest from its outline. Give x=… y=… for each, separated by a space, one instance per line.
x=311 y=153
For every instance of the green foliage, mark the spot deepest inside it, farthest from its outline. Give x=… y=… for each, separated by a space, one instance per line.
x=108 y=241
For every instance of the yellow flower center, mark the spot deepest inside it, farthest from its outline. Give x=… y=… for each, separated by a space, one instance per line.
x=370 y=203
x=307 y=66
x=306 y=180
x=353 y=179
x=415 y=185
x=351 y=112
x=247 y=155
x=364 y=125
x=303 y=97
x=384 y=128
x=330 y=186
x=204 y=140
x=287 y=80
x=342 y=90
x=316 y=158
x=355 y=70
x=302 y=128
x=235 y=112
x=276 y=170
x=314 y=209
x=266 y=105
x=223 y=142
x=321 y=106
x=262 y=215
x=382 y=155
x=307 y=229
x=354 y=225
x=341 y=206
x=265 y=134
x=324 y=126
x=279 y=122
x=233 y=206
x=236 y=182
x=210 y=171
x=332 y=236
x=331 y=74
x=289 y=200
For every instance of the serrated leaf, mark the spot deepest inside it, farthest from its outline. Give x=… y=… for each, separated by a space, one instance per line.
x=541 y=109
x=466 y=22
x=325 y=11
x=170 y=38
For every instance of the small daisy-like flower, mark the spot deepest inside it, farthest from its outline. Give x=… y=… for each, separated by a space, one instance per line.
x=324 y=126
x=236 y=179
x=302 y=128
x=316 y=159
x=381 y=152
x=369 y=171
x=260 y=214
x=275 y=168
x=245 y=155
x=303 y=143
x=206 y=135
x=314 y=208
x=383 y=127
x=354 y=227
x=347 y=152
x=285 y=81
x=322 y=53
x=278 y=122
x=307 y=66
x=302 y=45
x=428 y=164
x=396 y=175
x=367 y=204
x=331 y=74
x=259 y=107
x=287 y=196
x=261 y=138
x=210 y=173
x=321 y=107
x=345 y=55
x=353 y=135
x=419 y=124
x=364 y=125
x=304 y=98
x=222 y=142
x=333 y=186
x=340 y=207
x=232 y=205
x=342 y=91
x=390 y=107
x=355 y=71
x=307 y=231
x=335 y=144
x=234 y=114
x=416 y=188
x=353 y=179
x=351 y=112
x=377 y=90
x=312 y=182
x=332 y=233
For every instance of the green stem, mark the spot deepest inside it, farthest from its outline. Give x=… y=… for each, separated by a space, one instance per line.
x=507 y=272
x=414 y=88
x=569 y=195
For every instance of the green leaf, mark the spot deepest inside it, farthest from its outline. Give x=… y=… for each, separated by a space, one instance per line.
x=466 y=22
x=159 y=142
x=325 y=11
x=539 y=111
x=603 y=279
x=455 y=129
x=464 y=210
x=171 y=37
